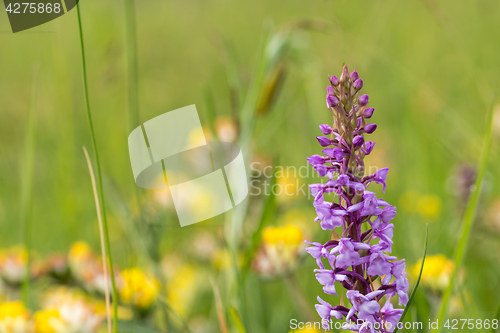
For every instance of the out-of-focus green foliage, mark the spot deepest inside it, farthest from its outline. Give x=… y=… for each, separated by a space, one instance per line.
x=430 y=68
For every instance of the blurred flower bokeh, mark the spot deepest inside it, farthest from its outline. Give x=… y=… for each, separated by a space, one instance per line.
x=255 y=71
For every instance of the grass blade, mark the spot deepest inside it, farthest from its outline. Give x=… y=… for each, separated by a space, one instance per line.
x=101 y=234
x=236 y=319
x=98 y=175
x=221 y=317
x=417 y=283
x=27 y=181
x=469 y=216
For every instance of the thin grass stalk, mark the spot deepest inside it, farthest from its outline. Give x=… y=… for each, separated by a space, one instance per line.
x=470 y=214
x=98 y=177
x=27 y=182
x=101 y=234
x=221 y=317
x=410 y=300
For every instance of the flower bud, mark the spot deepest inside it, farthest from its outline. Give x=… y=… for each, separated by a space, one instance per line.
x=344 y=78
x=358 y=140
x=368 y=113
x=370 y=128
x=323 y=141
x=358 y=84
x=334 y=81
x=316 y=159
x=345 y=73
x=363 y=100
x=354 y=76
x=332 y=101
x=326 y=129
x=330 y=91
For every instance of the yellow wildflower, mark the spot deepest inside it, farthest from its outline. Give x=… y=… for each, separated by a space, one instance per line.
x=429 y=206
x=45 y=321
x=12 y=309
x=69 y=310
x=287 y=235
x=181 y=289
x=292 y=235
x=436 y=273
x=287 y=187
x=196 y=138
x=426 y=205
x=221 y=259
x=279 y=251
x=80 y=250
x=13 y=264
x=138 y=288
x=271 y=235
x=14 y=318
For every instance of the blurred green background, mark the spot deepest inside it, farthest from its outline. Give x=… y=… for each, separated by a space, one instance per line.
x=430 y=67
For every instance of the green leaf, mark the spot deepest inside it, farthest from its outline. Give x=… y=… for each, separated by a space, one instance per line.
x=236 y=319
x=470 y=214
x=417 y=283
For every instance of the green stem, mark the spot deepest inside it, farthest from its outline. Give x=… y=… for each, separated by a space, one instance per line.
x=469 y=216
x=99 y=177
x=27 y=181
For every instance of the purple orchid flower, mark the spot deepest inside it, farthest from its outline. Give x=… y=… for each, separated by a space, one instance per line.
x=323 y=141
x=326 y=129
x=362 y=217
x=391 y=316
x=328 y=278
x=326 y=312
x=379 y=177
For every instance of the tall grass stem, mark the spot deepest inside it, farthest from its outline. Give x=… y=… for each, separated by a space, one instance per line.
x=101 y=234
x=98 y=176
x=221 y=317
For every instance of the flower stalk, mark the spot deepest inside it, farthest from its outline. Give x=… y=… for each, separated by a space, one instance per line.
x=361 y=255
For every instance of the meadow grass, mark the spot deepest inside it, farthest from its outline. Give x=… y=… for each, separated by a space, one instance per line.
x=430 y=76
